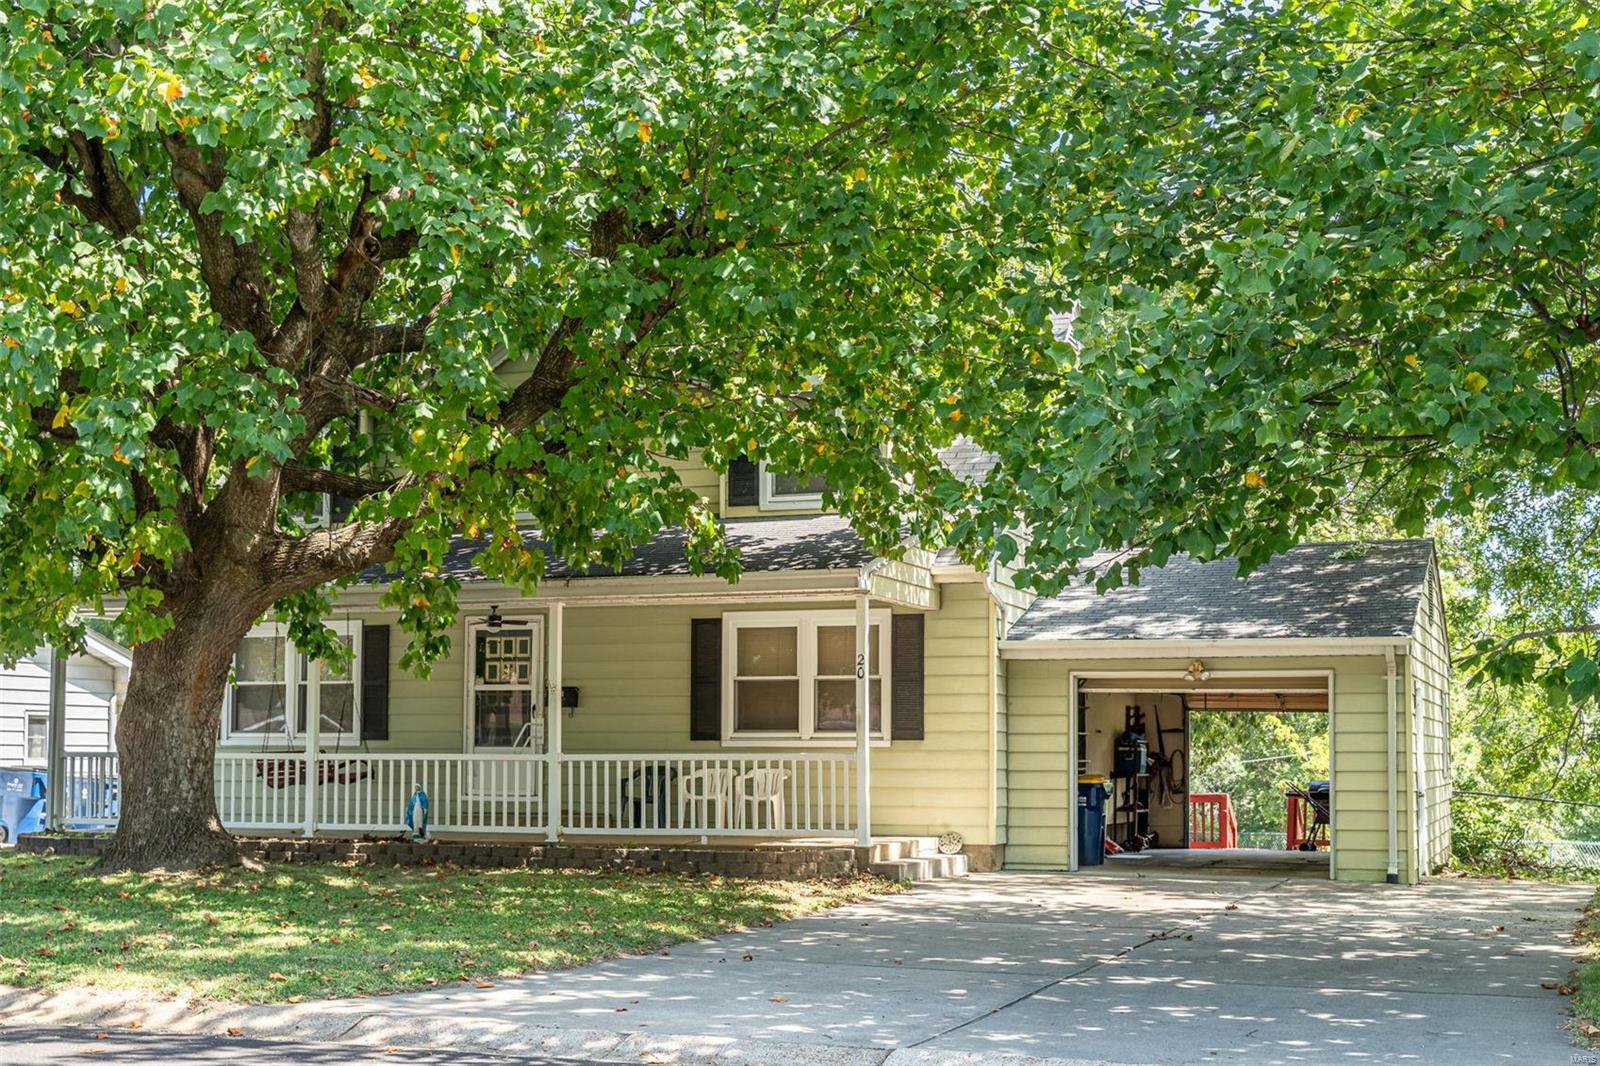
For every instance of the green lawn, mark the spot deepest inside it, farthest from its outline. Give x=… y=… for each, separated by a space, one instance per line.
x=296 y=932
x=1586 y=979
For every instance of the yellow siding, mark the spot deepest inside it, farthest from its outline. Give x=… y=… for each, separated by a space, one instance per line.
x=1429 y=679
x=1039 y=719
x=631 y=666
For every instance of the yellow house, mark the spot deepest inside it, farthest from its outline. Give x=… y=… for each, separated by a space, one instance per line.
x=652 y=704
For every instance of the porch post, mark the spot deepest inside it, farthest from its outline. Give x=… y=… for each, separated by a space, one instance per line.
x=863 y=721
x=58 y=802
x=313 y=711
x=554 y=637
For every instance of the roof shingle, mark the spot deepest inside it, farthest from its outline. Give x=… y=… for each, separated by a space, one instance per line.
x=1368 y=590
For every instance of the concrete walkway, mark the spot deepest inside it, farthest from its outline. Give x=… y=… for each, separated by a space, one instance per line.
x=1108 y=967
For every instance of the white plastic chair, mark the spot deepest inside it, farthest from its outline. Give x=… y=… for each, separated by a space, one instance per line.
x=702 y=791
x=757 y=787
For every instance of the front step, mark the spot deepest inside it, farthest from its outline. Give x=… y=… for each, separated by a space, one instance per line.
x=892 y=849
x=933 y=867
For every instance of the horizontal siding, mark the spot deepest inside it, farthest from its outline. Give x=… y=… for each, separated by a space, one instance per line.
x=91 y=684
x=1038 y=719
x=631 y=667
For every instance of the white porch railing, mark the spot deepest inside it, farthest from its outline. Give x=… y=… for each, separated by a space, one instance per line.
x=472 y=793
x=753 y=795
x=760 y=794
x=94 y=787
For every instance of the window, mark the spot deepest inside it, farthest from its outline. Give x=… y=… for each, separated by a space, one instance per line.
x=261 y=705
x=780 y=491
x=792 y=675
x=505 y=687
x=35 y=749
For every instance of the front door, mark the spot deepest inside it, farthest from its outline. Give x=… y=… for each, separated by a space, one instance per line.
x=504 y=692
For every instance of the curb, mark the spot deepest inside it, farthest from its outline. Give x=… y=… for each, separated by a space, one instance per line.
x=369 y=1026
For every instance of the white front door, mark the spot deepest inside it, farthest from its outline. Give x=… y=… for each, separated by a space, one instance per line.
x=505 y=687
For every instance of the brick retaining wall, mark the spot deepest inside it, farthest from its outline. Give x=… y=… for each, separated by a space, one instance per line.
x=779 y=863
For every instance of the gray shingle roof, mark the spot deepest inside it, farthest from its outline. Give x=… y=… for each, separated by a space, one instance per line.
x=967 y=461
x=1312 y=591
x=801 y=542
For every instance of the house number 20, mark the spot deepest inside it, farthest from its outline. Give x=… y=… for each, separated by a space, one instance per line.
x=861 y=667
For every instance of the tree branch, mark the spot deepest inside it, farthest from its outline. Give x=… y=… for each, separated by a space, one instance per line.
x=297 y=478
x=232 y=271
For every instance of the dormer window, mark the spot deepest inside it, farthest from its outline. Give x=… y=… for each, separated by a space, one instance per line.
x=781 y=491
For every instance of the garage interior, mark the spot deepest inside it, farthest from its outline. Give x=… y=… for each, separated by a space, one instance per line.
x=1138 y=737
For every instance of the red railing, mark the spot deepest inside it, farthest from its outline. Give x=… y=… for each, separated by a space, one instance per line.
x=1300 y=824
x=1211 y=821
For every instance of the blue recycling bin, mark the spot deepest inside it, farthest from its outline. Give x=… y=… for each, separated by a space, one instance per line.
x=21 y=802
x=1091 y=823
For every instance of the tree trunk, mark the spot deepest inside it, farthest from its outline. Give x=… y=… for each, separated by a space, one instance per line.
x=167 y=739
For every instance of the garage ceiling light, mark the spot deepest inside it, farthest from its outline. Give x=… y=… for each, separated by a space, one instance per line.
x=1197 y=672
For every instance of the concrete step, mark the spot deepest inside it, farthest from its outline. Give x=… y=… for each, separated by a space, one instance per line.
x=892 y=849
x=921 y=868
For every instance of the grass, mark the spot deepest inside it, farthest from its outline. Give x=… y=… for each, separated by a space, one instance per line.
x=1586 y=978
x=295 y=932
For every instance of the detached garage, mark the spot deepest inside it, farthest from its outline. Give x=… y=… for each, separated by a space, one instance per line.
x=1111 y=686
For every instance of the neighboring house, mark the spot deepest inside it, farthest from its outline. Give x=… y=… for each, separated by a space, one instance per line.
x=652 y=703
x=97 y=678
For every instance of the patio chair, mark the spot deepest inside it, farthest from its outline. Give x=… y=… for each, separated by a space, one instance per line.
x=705 y=792
x=757 y=787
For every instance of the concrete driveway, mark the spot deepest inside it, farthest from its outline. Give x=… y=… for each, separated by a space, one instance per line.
x=1121 y=968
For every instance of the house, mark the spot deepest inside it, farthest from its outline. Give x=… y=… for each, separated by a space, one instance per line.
x=97 y=679
x=651 y=703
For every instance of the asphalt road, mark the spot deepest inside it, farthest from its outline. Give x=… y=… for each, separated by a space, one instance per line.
x=25 y=1046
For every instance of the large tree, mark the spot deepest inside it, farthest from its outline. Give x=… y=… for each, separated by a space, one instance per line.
x=255 y=251
x=1335 y=259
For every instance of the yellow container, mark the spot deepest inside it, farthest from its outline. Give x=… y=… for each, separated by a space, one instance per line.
x=1091 y=779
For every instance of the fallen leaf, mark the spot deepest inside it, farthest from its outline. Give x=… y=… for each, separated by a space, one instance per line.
x=1231 y=907
x=481 y=983
x=136 y=1024
x=749 y=957
x=777 y=999
x=234 y=1030
x=102 y=1036
x=276 y=976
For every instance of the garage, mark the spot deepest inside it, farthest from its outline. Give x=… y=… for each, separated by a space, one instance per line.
x=1344 y=640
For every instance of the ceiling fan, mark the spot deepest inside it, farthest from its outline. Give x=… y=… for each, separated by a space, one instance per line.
x=494 y=620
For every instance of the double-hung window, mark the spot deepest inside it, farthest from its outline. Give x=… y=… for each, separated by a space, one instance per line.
x=35 y=749
x=780 y=491
x=791 y=675
x=261 y=704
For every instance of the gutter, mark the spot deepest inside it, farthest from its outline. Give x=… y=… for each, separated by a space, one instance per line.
x=1391 y=683
x=868 y=568
x=1119 y=648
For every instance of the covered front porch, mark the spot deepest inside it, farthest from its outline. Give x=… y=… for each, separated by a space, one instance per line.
x=668 y=707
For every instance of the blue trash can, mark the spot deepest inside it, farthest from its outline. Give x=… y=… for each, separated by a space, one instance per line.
x=21 y=802
x=1091 y=823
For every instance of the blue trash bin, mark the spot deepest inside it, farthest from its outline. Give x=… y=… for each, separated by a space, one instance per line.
x=21 y=802
x=1091 y=823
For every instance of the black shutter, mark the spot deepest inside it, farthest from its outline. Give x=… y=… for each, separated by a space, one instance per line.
x=744 y=483
x=374 y=682
x=339 y=508
x=705 y=679
x=905 y=708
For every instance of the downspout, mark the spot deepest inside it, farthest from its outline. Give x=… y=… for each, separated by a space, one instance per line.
x=864 y=703
x=1390 y=686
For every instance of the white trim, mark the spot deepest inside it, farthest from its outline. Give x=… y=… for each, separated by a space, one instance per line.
x=28 y=718
x=1160 y=649
x=805 y=625
x=292 y=659
x=469 y=681
x=106 y=650
x=769 y=499
x=1074 y=677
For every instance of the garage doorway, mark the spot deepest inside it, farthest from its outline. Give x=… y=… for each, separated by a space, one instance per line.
x=1218 y=770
